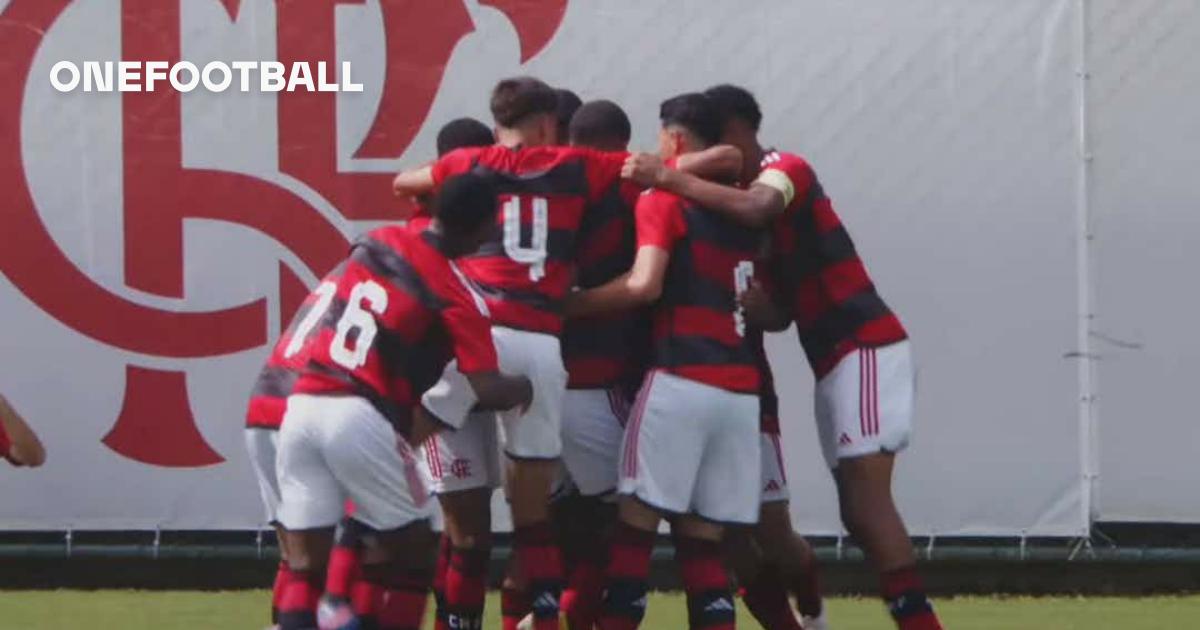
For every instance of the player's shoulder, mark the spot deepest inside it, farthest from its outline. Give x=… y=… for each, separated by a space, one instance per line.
x=785 y=161
x=660 y=201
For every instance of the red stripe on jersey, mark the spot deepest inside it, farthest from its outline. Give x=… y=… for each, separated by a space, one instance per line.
x=594 y=372
x=698 y=321
x=715 y=263
x=844 y=280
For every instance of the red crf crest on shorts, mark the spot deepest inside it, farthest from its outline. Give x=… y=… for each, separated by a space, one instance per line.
x=160 y=192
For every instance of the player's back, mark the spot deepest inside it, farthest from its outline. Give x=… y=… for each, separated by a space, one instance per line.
x=375 y=335
x=277 y=379
x=606 y=350
x=524 y=270
x=817 y=268
x=700 y=331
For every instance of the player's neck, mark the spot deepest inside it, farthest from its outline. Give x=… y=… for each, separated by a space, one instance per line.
x=513 y=138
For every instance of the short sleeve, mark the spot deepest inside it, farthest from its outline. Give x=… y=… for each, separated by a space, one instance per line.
x=603 y=170
x=788 y=174
x=454 y=163
x=659 y=220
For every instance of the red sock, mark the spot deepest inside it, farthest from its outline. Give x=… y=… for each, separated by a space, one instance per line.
x=283 y=575
x=904 y=593
x=581 y=599
x=806 y=587
x=514 y=605
x=768 y=602
x=298 y=605
x=710 y=599
x=343 y=569
x=466 y=588
x=404 y=596
x=366 y=600
x=627 y=572
x=541 y=564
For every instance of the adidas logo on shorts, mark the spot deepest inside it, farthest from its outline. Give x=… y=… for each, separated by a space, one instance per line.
x=844 y=440
x=721 y=604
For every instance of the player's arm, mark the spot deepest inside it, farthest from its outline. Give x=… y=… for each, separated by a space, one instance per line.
x=414 y=183
x=24 y=448
x=755 y=206
x=471 y=335
x=642 y=284
x=762 y=311
x=722 y=162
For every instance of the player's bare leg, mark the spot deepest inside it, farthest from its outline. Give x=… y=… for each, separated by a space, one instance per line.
x=283 y=574
x=529 y=482
x=788 y=566
x=307 y=554
x=870 y=515
x=468 y=522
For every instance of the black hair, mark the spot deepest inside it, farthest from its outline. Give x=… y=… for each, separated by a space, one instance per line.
x=732 y=102
x=600 y=123
x=694 y=112
x=515 y=100
x=463 y=132
x=568 y=103
x=466 y=202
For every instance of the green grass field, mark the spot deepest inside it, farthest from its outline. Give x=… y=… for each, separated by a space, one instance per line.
x=143 y=610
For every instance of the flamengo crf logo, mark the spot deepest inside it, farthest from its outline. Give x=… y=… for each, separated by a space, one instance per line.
x=159 y=192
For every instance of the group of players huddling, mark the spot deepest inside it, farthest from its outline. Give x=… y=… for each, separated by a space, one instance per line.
x=581 y=326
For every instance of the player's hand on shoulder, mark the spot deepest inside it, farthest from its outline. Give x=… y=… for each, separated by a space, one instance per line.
x=760 y=309
x=647 y=169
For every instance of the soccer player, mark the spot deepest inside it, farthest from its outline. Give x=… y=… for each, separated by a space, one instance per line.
x=19 y=445
x=568 y=103
x=352 y=416
x=524 y=272
x=691 y=446
x=605 y=358
x=856 y=346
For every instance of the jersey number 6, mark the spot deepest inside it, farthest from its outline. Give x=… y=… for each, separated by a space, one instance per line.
x=354 y=318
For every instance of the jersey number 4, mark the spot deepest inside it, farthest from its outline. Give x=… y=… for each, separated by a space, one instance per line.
x=743 y=273
x=533 y=254
x=355 y=319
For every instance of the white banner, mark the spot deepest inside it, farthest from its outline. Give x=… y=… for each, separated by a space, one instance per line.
x=150 y=241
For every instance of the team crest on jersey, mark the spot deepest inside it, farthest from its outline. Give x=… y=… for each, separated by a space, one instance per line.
x=302 y=196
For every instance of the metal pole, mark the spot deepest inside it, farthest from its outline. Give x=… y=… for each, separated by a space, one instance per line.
x=1083 y=267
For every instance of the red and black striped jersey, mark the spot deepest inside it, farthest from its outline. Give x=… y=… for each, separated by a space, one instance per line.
x=817 y=272
x=383 y=330
x=524 y=271
x=612 y=349
x=268 y=399
x=700 y=332
x=768 y=400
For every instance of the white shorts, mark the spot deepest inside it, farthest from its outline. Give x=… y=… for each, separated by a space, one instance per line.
x=261 y=445
x=693 y=448
x=774 y=477
x=865 y=405
x=465 y=459
x=592 y=430
x=533 y=435
x=336 y=447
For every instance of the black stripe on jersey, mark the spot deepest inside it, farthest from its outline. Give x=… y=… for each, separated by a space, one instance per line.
x=598 y=272
x=275 y=382
x=383 y=262
x=685 y=350
x=841 y=322
x=818 y=252
x=533 y=299
x=567 y=178
x=590 y=338
x=684 y=287
x=709 y=227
